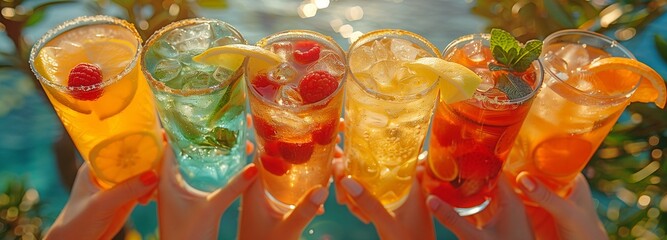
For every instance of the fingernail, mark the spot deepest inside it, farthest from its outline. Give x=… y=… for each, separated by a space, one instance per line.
x=319 y=196
x=250 y=172
x=351 y=186
x=527 y=183
x=148 y=178
x=433 y=202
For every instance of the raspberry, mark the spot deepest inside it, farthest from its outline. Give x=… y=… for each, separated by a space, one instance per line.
x=479 y=163
x=316 y=86
x=275 y=165
x=296 y=153
x=271 y=148
x=325 y=133
x=306 y=52
x=263 y=128
x=85 y=74
x=264 y=86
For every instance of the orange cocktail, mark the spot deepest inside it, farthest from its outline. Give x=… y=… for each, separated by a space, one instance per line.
x=589 y=80
x=471 y=139
x=88 y=69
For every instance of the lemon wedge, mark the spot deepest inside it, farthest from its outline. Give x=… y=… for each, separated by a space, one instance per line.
x=231 y=56
x=457 y=82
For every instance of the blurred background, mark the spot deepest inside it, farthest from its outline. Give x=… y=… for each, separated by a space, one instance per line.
x=38 y=162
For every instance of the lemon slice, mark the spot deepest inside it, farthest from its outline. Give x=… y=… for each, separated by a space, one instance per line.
x=124 y=155
x=457 y=82
x=231 y=56
x=624 y=71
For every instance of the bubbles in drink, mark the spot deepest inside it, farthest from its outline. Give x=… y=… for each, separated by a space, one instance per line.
x=167 y=69
x=329 y=62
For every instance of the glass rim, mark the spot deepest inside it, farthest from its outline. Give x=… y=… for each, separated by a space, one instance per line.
x=537 y=65
x=593 y=35
x=76 y=23
x=286 y=35
x=380 y=33
x=199 y=91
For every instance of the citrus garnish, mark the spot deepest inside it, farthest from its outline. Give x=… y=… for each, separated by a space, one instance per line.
x=562 y=156
x=626 y=71
x=231 y=56
x=444 y=167
x=124 y=155
x=457 y=82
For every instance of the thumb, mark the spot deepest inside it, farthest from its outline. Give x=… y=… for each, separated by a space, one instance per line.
x=222 y=198
x=306 y=209
x=539 y=193
x=128 y=191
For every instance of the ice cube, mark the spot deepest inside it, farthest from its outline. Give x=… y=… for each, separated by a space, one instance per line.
x=226 y=41
x=329 y=62
x=164 y=49
x=574 y=55
x=383 y=73
x=288 y=96
x=167 y=69
x=473 y=50
x=372 y=119
x=295 y=124
x=583 y=81
x=495 y=99
x=198 y=80
x=380 y=51
x=219 y=30
x=191 y=38
x=405 y=50
x=283 y=74
x=556 y=65
x=488 y=81
x=282 y=49
x=222 y=75
x=361 y=59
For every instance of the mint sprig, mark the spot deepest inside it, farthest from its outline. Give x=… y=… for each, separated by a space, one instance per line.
x=509 y=52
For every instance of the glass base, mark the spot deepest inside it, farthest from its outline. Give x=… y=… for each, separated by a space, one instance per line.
x=277 y=204
x=396 y=204
x=472 y=210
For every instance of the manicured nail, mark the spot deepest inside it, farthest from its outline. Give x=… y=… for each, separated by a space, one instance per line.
x=250 y=172
x=433 y=202
x=319 y=196
x=148 y=178
x=527 y=183
x=352 y=187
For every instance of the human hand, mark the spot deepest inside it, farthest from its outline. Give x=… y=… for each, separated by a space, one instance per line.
x=187 y=213
x=410 y=221
x=508 y=221
x=259 y=220
x=93 y=213
x=574 y=217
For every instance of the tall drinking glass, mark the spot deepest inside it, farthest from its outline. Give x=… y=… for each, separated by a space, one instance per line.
x=387 y=112
x=88 y=69
x=296 y=108
x=202 y=107
x=574 y=111
x=471 y=139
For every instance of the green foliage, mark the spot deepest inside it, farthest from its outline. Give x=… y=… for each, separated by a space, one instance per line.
x=20 y=215
x=508 y=51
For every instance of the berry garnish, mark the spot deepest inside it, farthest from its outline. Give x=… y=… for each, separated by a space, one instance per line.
x=471 y=186
x=85 y=74
x=296 y=153
x=264 y=86
x=325 y=133
x=271 y=148
x=263 y=128
x=479 y=163
x=306 y=52
x=316 y=86
x=275 y=165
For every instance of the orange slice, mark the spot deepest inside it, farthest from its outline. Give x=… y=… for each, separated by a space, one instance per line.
x=442 y=165
x=624 y=72
x=562 y=156
x=124 y=155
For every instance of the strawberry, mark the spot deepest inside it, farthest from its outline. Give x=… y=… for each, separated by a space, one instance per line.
x=471 y=186
x=271 y=148
x=306 y=52
x=325 y=133
x=316 y=86
x=264 y=86
x=275 y=165
x=263 y=128
x=478 y=163
x=296 y=153
x=85 y=75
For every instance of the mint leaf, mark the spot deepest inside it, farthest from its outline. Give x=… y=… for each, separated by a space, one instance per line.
x=513 y=86
x=220 y=137
x=509 y=52
x=218 y=111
